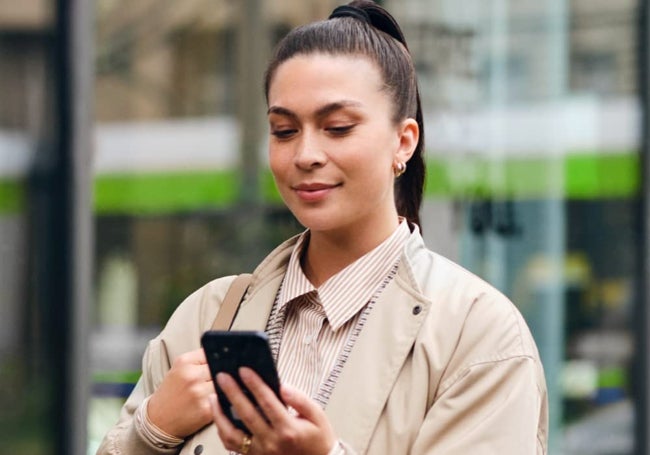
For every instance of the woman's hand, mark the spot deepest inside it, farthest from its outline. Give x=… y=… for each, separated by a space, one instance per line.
x=308 y=432
x=181 y=405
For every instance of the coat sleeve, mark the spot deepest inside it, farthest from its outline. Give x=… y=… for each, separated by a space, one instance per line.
x=492 y=408
x=125 y=437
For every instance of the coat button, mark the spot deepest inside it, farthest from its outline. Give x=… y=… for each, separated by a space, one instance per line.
x=417 y=309
x=198 y=450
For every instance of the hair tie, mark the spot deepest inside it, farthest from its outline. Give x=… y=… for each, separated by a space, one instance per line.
x=351 y=11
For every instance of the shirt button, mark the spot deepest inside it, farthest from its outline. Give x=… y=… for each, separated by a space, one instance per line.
x=198 y=450
x=307 y=339
x=417 y=309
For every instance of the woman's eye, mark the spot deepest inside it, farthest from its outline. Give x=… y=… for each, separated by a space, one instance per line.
x=340 y=130
x=283 y=133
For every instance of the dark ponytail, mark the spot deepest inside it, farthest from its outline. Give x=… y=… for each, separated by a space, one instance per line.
x=368 y=29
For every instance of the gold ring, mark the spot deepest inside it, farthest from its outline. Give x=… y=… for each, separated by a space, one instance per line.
x=245 y=445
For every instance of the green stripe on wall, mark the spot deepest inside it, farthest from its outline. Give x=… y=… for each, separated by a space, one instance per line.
x=12 y=196
x=123 y=377
x=576 y=176
x=160 y=193
x=613 y=176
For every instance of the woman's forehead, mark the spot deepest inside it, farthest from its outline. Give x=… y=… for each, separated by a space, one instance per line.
x=322 y=62
x=326 y=75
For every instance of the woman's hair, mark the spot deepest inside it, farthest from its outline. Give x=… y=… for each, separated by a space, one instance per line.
x=364 y=28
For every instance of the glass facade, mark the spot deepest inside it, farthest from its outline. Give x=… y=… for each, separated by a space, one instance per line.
x=534 y=135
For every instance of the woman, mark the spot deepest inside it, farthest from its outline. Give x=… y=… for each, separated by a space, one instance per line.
x=389 y=348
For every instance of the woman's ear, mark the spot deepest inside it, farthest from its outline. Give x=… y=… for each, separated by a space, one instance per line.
x=409 y=135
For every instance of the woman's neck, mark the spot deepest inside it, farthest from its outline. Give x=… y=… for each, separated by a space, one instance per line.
x=330 y=252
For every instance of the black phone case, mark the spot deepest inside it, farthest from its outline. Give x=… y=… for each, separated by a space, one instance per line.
x=227 y=352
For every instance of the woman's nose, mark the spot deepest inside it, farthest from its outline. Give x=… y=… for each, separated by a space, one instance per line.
x=309 y=153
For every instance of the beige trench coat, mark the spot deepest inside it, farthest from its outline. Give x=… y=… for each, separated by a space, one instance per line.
x=445 y=365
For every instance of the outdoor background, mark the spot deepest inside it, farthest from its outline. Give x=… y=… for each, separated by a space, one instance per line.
x=133 y=170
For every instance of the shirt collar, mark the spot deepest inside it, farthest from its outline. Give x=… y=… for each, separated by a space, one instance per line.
x=346 y=293
x=295 y=282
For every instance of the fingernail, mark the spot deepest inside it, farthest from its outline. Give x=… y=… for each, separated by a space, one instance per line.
x=287 y=392
x=244 y=372
x=221 y=378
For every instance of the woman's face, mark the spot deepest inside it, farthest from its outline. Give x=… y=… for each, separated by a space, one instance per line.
x=333 y=142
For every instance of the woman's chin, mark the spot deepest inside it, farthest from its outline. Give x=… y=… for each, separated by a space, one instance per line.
x=318 y=222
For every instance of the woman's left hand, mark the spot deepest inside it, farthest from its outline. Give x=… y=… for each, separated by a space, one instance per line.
x=308 y=432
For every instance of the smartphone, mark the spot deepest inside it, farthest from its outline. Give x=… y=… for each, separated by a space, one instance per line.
x=227 y=352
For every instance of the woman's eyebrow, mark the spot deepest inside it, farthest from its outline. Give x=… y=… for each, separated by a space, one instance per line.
x=281 y=111
x=321 y=112
x=332 y=107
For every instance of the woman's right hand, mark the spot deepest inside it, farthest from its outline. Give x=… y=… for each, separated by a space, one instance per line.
x=275 y=430
x=181 y=405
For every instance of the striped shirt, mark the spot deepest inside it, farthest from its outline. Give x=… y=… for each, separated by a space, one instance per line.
x=312 y=330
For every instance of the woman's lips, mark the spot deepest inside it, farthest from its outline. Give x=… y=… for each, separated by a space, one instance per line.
x=313 y=192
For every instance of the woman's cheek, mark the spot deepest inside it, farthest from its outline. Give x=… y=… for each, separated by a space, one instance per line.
x=276 y=164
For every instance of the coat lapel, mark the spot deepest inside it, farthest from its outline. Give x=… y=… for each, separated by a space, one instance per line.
x=375 y=361
x=254 y=311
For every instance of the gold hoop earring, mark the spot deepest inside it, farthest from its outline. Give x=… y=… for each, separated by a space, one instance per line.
x=400 y=168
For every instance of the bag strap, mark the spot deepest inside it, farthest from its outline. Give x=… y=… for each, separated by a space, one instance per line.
x=231 y=302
